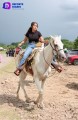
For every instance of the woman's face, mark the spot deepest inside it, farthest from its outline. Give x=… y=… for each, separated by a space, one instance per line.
x=34 y=27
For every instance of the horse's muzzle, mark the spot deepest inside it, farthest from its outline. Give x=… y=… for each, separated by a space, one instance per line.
x=62 y=58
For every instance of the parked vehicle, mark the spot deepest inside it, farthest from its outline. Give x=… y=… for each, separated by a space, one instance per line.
x=72 y=57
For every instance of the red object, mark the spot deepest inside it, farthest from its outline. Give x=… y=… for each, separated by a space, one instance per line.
x=17 y=50
x=73 y=59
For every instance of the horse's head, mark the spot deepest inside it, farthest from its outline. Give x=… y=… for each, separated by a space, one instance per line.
x=57 y=47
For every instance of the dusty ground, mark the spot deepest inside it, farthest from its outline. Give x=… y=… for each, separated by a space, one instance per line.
x=60 y=95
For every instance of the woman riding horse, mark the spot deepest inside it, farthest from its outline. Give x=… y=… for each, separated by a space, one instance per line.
x=33 y=36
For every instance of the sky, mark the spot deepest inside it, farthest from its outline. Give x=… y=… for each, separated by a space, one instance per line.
x=54 y=17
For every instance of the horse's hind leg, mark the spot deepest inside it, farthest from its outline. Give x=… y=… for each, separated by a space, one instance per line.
x=21 y=84
x=18 y=90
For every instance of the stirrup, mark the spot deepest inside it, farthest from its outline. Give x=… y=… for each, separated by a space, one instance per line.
x=57 y=67
x=17 y=72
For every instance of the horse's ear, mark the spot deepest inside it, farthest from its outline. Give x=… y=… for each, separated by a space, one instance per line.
x=51 y=36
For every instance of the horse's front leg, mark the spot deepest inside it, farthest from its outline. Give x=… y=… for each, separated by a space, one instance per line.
x=40 y=85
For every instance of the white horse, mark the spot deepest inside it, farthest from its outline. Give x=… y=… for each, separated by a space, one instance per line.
x=40 y=65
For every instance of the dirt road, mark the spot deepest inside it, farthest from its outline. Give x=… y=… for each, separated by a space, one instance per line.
x=60 y=96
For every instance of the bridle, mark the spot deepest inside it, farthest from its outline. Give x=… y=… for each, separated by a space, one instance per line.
x=53 y=49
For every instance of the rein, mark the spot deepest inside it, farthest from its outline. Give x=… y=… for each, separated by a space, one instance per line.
x=44 y=56
x=52 y=53
x=55 y=49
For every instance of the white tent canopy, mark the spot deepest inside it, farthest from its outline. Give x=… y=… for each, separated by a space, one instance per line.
x=1 y=48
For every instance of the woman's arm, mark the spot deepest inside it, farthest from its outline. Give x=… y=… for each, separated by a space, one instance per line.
x=41 y=39
x=23 y=42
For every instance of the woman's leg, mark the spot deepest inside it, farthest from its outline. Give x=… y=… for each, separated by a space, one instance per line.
x=57 y=66
x=28 y=51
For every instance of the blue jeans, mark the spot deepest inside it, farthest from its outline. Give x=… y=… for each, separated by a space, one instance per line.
x=28 y=51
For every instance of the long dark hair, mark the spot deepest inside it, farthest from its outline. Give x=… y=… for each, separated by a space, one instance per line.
x=30 y=28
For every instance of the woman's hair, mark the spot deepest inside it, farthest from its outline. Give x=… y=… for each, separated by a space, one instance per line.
x=30 y=28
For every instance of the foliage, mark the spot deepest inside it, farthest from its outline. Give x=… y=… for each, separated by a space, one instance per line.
x=68 y=44
x=76 y=43
x=15 y=44
x=11 y=47
x=3 y=45
x=47 y=38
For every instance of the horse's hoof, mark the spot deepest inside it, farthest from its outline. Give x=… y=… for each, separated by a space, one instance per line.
x=35 y=102
x=28 y=100
x=40 y=105
x=18 y=97
x=29 y=106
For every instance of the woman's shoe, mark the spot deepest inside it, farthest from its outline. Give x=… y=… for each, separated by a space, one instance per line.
x=17 y=71
x=57 y=67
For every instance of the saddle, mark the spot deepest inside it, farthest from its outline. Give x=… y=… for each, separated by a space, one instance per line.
x=29 y=61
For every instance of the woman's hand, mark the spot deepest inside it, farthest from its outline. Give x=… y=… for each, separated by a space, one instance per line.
x=43 y=41
x=19 y=45
x=24 y=41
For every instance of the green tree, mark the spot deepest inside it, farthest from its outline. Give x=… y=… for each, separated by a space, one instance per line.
x=76 y=43
x=68 y=44
x=11 y=47
x=3 y=45
x=15 y=44
x=47 y=38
